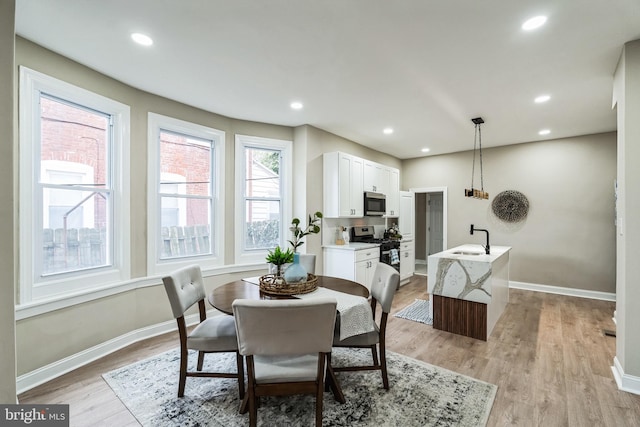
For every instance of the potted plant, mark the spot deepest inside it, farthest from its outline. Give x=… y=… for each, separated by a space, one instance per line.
x=278 y=257
x=313 y=227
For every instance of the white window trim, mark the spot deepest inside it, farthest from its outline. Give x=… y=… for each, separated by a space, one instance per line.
x=32 y=83
x=156 y=123
x=243 y=141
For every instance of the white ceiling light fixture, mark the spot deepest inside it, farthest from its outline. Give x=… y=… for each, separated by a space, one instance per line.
x=541 y=99
x=544 y=132
x=387 y=131
x=425 y=150
x=142 y=39
x=533 y=23
x=297 y=105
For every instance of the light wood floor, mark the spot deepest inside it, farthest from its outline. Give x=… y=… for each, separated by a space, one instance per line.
x=547 y=355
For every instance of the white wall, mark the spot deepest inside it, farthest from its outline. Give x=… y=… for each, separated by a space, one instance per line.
x=627 y=96
x=568 y=238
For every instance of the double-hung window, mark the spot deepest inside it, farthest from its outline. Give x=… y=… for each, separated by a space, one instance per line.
x=74 y=232
x=263 y=205
x=186 y=183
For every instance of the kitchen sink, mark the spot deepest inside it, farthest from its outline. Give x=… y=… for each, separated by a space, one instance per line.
x=467 y=253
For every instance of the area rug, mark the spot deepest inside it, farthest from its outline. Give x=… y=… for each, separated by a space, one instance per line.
x=418 y=311
x=420 y=395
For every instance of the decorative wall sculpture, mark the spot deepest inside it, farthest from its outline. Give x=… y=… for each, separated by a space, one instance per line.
x=510 y=206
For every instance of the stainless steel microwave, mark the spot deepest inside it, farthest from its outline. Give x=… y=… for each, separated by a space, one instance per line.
x=375 y=204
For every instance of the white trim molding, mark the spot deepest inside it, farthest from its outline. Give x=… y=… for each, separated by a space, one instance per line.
x=53 y=370
x=625 y=382
x=36 y=308
x=572 y=292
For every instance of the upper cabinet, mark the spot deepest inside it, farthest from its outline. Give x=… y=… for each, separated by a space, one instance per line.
x=347 y=177
x=343 y=185
x=373 y=178
x=393 y=192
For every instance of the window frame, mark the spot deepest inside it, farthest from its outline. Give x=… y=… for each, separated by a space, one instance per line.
x=156 y=124
x=61 y=285
x=285 y=147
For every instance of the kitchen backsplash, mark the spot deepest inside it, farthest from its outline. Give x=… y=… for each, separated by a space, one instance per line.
x=331 y=227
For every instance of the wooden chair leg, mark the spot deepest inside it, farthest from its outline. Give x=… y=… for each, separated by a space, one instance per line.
x=240 y=367
x=253 y=409
x=383 y=367
x=374 y=355
x=184 y=355
x=200 y=360
x=319 y=390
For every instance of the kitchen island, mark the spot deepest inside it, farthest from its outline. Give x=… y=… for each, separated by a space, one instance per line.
x=468 y=289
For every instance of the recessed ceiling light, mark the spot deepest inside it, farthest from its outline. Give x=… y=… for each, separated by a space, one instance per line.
x=387 y=131
x=544 y=132
x=533 y=23
x=425 y=150
x=296 y=105
x=542 y=98
x=142 y=39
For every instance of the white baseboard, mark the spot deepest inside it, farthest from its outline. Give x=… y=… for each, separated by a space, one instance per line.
x=572 y=292
x=628 y=383
x=60 y=367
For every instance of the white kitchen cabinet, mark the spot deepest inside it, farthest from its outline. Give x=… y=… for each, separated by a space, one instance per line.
x=342 y=186
x=407 y=260
x=392 y=190
x=407 y=214
x=348 y=263
x=372 y=178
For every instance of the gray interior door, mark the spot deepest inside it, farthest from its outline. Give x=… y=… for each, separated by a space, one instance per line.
x=434 y=229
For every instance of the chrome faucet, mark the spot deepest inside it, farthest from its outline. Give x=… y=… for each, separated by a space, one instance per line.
x=486 y=248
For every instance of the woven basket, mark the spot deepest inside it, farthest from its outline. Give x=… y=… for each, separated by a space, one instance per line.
x=272 y=284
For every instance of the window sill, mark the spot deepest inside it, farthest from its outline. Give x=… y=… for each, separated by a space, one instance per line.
x=36 y=308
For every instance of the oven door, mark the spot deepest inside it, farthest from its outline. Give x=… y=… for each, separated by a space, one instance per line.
x=386 y=258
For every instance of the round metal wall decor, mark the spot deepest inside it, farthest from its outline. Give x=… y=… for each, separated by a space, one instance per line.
x=510 y=206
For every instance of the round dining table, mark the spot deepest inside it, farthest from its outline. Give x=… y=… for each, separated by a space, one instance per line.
x=222 y=297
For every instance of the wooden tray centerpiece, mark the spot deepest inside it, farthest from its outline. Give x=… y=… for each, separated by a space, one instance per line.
x=276 y=285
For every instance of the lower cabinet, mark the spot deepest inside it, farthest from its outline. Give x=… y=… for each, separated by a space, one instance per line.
x=351 y=264
x=407 y=261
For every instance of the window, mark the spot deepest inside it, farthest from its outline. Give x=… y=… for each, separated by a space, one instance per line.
x=185 y=179
x=73 y=170
x=263 y=170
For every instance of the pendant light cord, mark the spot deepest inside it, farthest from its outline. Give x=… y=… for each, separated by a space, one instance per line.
x=480 y=146
x=473 y=165
x=477 y=143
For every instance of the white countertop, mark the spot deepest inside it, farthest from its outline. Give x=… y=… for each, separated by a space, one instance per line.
x=353 y=246
x=496 y=252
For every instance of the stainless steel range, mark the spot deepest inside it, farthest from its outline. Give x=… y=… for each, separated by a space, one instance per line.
x=389 y=248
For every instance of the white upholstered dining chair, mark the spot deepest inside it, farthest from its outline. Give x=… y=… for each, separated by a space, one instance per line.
x=308 y=261
x=285 y=343
x=383 y=289
x=185 y=288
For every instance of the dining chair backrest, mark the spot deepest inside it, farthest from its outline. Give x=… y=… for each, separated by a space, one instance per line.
x=184 y=288
x=384 y=285
x=284 y=327
x=308 y=261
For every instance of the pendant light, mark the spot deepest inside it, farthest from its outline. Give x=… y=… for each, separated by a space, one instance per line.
x=477 y=147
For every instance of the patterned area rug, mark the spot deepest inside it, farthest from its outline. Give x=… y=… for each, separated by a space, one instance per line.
x=418 y=311
x=420 y=395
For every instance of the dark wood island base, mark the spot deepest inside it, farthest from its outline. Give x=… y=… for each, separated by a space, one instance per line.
x=462 y=317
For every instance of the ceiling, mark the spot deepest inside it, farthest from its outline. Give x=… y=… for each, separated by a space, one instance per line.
x=423 y=67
